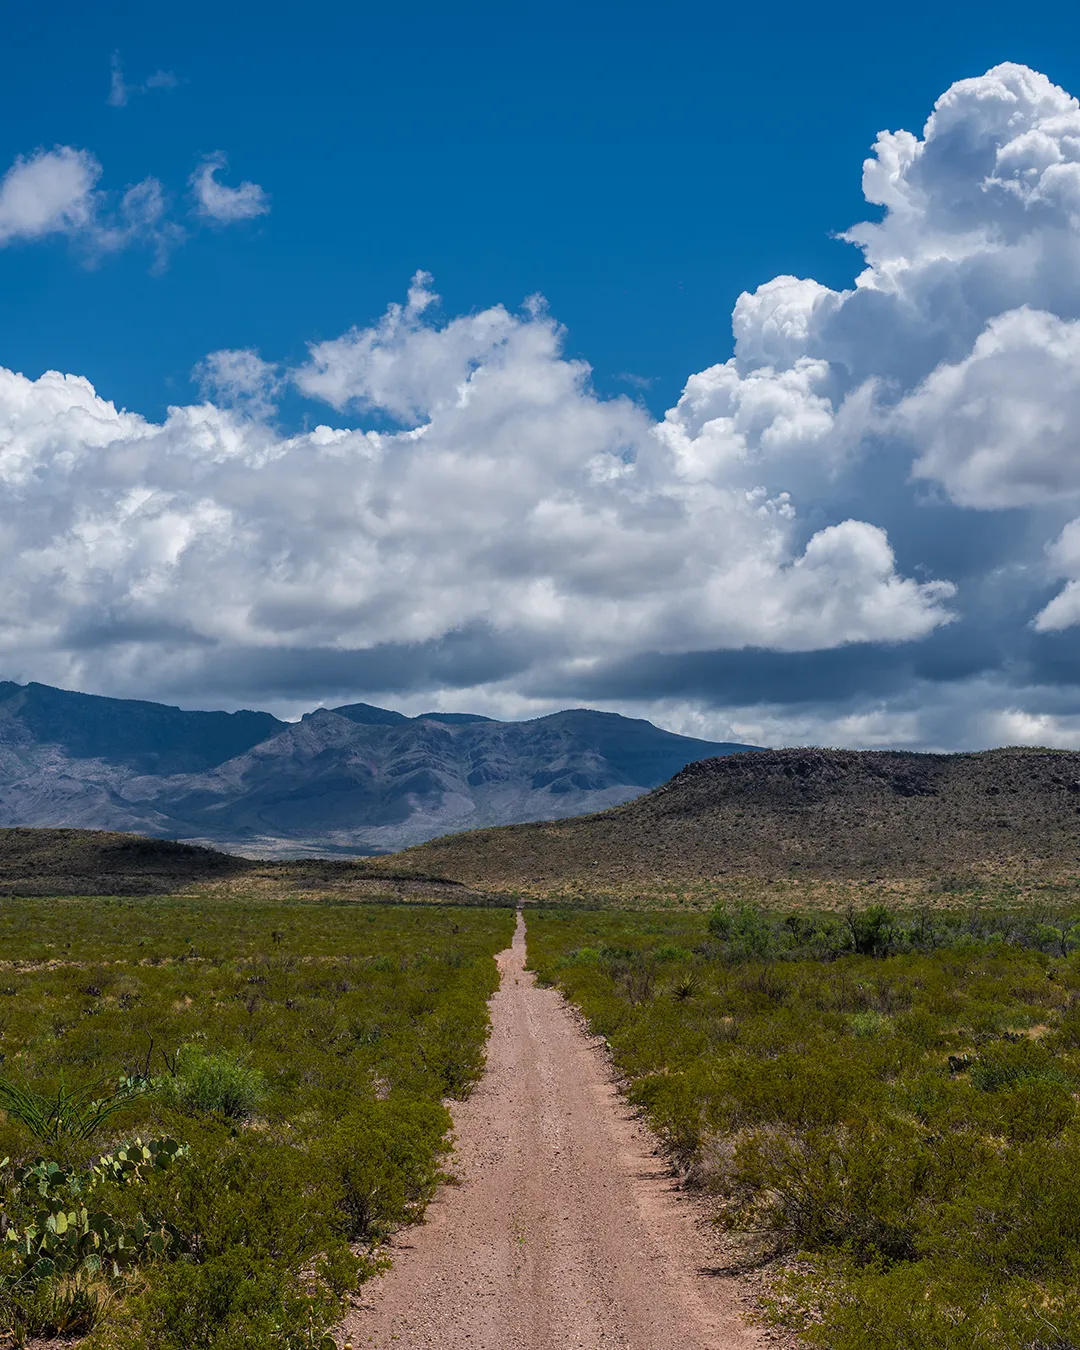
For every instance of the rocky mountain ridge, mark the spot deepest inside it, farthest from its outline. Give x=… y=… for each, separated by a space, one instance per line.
x=355 y=779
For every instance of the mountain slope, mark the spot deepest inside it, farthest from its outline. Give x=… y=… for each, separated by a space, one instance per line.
x=354 y=779
x=150 y=737
x=805 y=813
x=376 y=786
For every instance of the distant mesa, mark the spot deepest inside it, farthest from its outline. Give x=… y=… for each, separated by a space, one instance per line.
x=357 y=779
x=100 y=862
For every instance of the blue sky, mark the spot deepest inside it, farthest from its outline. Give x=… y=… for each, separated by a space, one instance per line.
x=639 y=167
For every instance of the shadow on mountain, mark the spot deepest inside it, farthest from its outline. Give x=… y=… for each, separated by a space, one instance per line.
x=100 y=862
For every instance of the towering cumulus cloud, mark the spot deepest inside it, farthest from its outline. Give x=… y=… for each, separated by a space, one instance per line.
x=864 y=518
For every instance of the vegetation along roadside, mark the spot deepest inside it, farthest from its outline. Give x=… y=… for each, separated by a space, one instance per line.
x=881 y=1107
x=215 y=1110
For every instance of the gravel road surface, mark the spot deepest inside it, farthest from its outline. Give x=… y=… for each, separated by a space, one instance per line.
x=566 y=1232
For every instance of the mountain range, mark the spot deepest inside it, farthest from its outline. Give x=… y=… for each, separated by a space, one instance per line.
x=353 y=780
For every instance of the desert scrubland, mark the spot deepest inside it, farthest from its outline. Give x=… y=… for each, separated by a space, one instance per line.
x=706 y=1096
x=216 y=1110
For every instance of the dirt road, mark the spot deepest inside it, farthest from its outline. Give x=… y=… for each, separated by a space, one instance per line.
x=566 y=1232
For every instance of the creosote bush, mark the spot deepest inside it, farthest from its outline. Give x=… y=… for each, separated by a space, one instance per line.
x=890 y=1097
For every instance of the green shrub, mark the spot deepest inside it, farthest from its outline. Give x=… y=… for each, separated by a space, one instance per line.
x=254 y=1218
x=235 y=1300
x=873 y=930
x=1008 y=1066
x=890 y=1095
x=746 y=930
x=385 y=1164
x=340 y=1027
x=216 y=1084
x=859 y=1187
x=868 y=1024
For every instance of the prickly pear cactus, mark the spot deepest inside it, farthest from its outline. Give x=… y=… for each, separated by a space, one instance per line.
x=64 y=1237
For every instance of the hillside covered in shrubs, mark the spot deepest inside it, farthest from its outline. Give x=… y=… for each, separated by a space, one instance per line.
x=829 y=814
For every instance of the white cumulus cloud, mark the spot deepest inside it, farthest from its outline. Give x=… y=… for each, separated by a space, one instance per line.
x=957 y=349
x=217 y=201
x=883 y=479
x=1001 y=427
x=239 y=379
x=402 y=365
x=56 y=193
x=522 y=504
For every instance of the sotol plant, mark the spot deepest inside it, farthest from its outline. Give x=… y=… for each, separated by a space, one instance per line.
x=67 y=1113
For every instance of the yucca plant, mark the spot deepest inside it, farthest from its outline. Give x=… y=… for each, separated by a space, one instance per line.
x=67 y=1113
